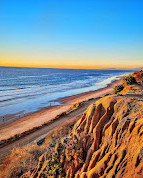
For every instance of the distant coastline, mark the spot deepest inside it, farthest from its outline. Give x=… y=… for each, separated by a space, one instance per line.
x=39 y=120
x=24 y=91
x=48 y=67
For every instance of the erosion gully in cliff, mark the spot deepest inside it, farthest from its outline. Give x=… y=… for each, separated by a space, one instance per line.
x=106 y=142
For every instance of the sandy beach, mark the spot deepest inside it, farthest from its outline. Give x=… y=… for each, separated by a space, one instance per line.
x=45 y=115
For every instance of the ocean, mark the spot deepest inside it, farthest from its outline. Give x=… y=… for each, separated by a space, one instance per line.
x=24 y=90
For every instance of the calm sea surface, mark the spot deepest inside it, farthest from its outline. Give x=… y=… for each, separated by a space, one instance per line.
x=24 y=90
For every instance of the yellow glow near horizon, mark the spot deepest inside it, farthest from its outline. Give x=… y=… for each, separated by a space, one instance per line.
x=62 y=62
x=75 y=61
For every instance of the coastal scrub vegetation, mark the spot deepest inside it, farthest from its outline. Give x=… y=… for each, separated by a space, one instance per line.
x=129 y=80
x=26 y=158
x=132 y=79
x=60 y=131
x=118 y=88
x=64 y=152
x=20 y=161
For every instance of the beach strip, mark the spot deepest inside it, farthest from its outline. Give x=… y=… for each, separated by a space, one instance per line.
x=45 y=115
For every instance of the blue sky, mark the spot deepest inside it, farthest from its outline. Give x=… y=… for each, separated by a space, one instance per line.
x=78 y=34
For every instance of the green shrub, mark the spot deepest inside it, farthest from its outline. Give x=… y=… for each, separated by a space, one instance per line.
x=129 y=80
x=118 y=88
x=61 y=154
x=55 y=163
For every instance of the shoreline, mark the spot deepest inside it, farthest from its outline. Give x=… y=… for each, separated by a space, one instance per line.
x=10 y=118
x=47 y=114
x=87 y=95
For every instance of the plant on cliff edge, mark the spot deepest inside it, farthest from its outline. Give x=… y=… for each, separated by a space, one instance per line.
x=129 y=80
x=55 y=162
x=64 y=152
x=118 y=88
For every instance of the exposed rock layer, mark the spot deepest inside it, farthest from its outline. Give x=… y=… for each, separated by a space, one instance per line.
x=115 y=127
x=110 y=134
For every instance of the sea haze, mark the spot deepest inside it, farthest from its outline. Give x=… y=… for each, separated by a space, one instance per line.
x=24 y=90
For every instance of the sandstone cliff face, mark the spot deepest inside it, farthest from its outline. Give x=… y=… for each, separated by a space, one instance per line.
x=115 y=148
x=110 y=138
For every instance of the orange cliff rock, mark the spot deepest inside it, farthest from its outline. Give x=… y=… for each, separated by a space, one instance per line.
x=115 y=127
x=110 y=135
x=132 y=89
x=138 y=76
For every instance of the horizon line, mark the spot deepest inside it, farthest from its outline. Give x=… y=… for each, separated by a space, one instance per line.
x=72 y=68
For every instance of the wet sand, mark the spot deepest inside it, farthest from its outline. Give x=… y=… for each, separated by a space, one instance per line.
x=38 y=118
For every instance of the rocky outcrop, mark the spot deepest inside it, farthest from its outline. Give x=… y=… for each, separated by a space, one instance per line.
x=138 y=76
x=106 y=142
x=115 y=148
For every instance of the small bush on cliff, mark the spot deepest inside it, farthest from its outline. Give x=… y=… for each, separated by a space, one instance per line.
x=65 y=152
x=129 y=80
x=55 y=162
x=118 y=88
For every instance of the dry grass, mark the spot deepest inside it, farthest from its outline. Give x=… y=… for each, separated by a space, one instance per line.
x=22 y=159
x=61 y=131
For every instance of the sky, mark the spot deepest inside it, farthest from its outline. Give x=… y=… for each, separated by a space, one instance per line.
x=71 y=33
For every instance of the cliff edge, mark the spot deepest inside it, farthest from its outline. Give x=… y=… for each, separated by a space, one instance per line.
x=106 y=142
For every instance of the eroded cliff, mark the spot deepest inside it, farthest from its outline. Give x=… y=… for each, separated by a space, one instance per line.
x=115 y=148
x=107 y=141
